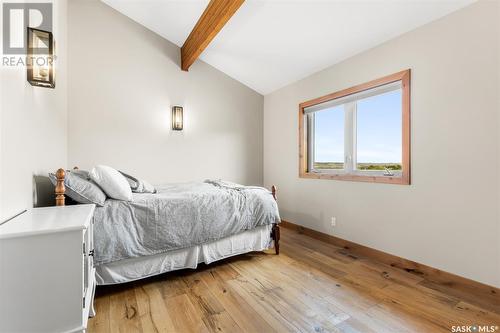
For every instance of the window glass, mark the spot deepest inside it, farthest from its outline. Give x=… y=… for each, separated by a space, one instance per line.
x=379 y=140
x=329 y=138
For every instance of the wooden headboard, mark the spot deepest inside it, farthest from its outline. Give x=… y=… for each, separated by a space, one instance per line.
x=60 y=189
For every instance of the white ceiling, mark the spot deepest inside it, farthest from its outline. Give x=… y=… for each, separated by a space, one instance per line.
x=268 y=44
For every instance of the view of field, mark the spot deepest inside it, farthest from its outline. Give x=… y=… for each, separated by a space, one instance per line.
x=360 y=166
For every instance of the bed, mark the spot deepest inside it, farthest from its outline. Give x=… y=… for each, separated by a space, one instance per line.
x=178 y=227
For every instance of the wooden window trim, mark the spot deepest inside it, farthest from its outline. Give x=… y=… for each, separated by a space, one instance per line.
x=404 y=179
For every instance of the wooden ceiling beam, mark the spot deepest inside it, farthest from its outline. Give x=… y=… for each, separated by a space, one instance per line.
x=213 y=19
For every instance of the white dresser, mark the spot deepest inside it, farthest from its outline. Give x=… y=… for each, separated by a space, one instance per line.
x=47 y=276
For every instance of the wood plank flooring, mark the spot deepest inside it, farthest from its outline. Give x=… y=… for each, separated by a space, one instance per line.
x=310 y=287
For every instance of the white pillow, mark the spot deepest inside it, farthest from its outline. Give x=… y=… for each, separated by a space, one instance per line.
x=112 y=182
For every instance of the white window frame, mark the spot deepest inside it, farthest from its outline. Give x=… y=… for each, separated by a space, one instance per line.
x=350 y=132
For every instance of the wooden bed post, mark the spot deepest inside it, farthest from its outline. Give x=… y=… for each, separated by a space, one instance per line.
x=275 y=233
x=60 y=189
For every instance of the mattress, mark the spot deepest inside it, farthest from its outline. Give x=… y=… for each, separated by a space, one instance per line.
x=132 y=269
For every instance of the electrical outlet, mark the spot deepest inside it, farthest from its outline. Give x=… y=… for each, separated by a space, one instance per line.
x=333 y=221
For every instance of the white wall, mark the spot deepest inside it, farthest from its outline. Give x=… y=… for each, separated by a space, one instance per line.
x=123 y=79
x=498 y=137
x=449 y=217
x=32 y=127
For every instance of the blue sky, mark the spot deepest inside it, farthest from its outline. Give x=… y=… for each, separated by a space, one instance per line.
x=379 y=131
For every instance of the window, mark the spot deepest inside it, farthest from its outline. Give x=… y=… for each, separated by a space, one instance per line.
x=358 y=134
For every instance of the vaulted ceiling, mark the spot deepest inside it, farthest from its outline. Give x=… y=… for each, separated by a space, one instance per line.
x=269 y=44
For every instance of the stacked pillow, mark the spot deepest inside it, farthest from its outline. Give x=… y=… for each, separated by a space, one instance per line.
x=101 y=182
x=80 y=188
x=112 y=182
x=138 y=185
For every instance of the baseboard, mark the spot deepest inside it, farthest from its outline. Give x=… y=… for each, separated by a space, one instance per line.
x=469 y=290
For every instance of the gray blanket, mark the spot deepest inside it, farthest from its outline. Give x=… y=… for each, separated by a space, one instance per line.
x=178 y=216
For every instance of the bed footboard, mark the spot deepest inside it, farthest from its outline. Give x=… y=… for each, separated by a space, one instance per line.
x=275 y=232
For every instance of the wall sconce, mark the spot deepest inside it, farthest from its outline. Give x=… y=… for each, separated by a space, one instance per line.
x=177 y=118
x=40 y=58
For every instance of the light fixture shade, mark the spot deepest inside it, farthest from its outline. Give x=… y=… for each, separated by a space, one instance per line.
x=40 y=58
x=177 y=118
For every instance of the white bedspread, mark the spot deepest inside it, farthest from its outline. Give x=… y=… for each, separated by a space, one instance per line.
x=179 y=216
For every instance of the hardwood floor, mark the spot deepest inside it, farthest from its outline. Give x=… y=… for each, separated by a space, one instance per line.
x=310 y=287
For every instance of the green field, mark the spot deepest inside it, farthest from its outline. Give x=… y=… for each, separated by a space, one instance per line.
x=360 y=166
